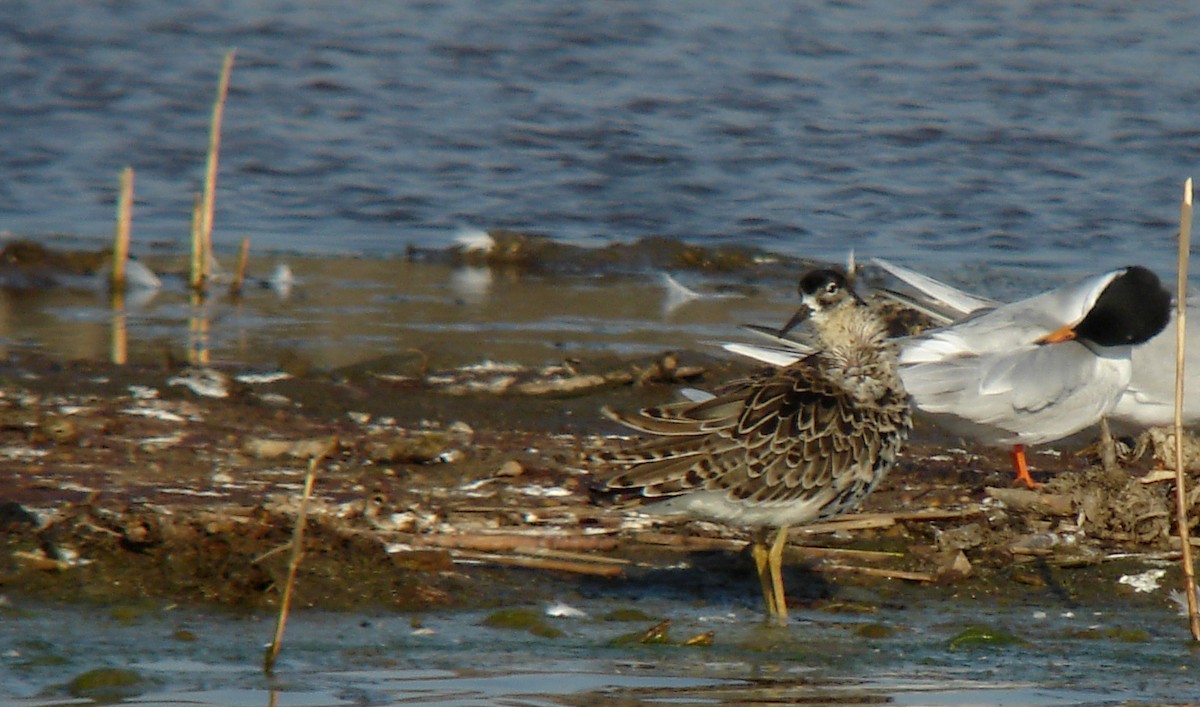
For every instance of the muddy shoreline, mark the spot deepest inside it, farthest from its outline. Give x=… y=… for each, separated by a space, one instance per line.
x=468 y=487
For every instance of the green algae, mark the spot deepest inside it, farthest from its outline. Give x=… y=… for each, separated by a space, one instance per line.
x=1121 y=635
x=522 y=620
x=980 y=636
x=627 y=615
x=874 y=630
x=106 y=684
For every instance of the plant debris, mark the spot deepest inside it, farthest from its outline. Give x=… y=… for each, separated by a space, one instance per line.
x=119 y=485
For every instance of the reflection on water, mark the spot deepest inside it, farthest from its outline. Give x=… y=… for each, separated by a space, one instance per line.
x=120 y=330
x=336 y=312
x=198 y=351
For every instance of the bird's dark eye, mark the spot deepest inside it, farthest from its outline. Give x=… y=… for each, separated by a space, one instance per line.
x=831 y=288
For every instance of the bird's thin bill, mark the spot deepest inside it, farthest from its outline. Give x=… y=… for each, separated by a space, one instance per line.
x=800 y=315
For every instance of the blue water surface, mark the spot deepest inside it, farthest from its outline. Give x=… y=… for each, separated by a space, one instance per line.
x=974 y=139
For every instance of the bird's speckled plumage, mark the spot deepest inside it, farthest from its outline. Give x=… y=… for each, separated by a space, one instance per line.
x=1032 y=371
x=785 y=446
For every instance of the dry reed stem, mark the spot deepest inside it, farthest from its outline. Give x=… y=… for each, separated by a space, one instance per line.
x=1181 y=505
x=196 y=281
x=272 y=651
x=120 y=254
x=120 y=330
x=510 y=542
x=540 y=563
x=210 y=171
x=876 y=572
x=864 y=521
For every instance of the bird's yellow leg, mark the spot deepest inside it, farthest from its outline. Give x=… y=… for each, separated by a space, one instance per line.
x=775 y=564
x=758 y=549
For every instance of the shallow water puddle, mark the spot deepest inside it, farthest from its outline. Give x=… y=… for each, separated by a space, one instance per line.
x=905 y=656
x=346 y=310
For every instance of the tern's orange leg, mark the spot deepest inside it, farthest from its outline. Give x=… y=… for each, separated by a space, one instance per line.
x=1021 y=467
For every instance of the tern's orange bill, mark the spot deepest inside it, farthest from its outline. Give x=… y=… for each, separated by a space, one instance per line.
x=1066 y=333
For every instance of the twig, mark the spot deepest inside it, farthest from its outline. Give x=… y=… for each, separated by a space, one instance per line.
x=1189 y=576
x=860 y=522
x=845 y=553
x=688 y=543
x=40 y=561
x=877 y=572
x=210 y=171
x=124 y=226
x=589 y=568
x=864 y=521
x=297 y=554
x=507 y=542
x=1055 y=504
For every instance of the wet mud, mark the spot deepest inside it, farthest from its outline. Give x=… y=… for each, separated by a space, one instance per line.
x=445 y=479
x=470 y=487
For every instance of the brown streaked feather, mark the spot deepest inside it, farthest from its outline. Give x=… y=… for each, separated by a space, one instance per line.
x=782 y=435
x=785 y=445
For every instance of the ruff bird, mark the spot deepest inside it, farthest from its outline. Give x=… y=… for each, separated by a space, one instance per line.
x=785 y=446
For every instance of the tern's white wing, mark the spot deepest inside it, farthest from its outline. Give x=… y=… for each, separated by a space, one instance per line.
x=1149 y=400
x=1009 y=327
x=986 y=376
x=959 y=303
x=775 y=356
x=1026 y=396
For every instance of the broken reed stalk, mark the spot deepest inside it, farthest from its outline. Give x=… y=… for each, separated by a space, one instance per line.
x=120 y=254
x=210 y=171
x=239 y=277
x=297 y=554
x=120 y=329
x=196 y=281
x=1181 y=505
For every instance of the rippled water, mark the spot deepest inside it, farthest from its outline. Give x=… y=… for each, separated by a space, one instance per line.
x=999 y=136
x=984 y=141
x=1067 y=655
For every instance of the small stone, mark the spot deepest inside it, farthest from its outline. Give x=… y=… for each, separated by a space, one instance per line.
x=262 y=448
x=510 y=468
x=963 y=537
x=420 y=448
x=61 y=430
x=450 y=456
